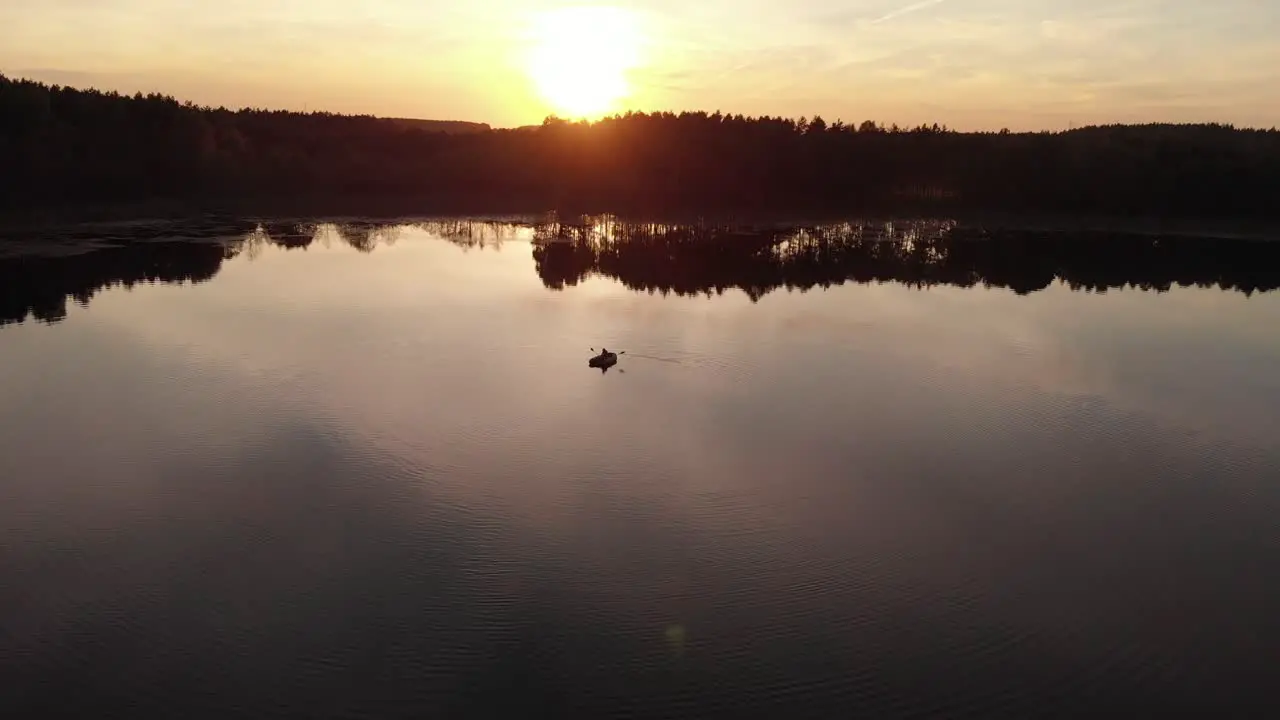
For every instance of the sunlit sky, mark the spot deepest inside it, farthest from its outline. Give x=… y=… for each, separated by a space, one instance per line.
x=1022 y=64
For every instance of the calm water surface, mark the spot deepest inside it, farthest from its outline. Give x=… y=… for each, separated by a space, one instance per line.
x=353 y=471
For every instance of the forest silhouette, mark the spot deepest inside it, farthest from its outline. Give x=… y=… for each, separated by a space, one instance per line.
x=67 y=148
x=693 y=260
x=41 y=287
x=678 y=259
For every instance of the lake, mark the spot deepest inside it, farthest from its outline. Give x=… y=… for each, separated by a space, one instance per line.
x=361 y=469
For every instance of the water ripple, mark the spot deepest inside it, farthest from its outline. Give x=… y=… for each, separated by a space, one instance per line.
x=270 y=498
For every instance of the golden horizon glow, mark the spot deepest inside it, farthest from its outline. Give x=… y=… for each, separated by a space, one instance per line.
x=973 y=64
x=581 y=57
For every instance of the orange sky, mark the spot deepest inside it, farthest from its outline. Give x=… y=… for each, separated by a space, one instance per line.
x=1023 y=64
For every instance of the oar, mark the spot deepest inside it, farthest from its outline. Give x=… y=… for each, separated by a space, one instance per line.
x=620 y=352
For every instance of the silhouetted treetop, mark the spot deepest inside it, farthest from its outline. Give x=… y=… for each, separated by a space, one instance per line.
x=692 y=260
x=39 y=287
x=685 y=259
x=65 y=146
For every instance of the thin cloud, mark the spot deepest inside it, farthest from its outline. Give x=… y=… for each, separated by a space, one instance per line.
x=914 y=7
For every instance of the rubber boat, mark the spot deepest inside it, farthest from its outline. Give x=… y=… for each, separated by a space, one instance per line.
x=603 y=360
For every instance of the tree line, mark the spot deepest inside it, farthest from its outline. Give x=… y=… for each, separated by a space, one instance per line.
x=678 y=259
x=65 y=147
x=711 y=260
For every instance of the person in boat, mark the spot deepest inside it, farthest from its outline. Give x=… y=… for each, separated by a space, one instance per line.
x=604 y=352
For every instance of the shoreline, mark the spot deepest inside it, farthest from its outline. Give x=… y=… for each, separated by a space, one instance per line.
x=192 y=216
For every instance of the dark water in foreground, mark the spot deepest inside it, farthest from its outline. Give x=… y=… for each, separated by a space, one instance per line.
x=372 y=476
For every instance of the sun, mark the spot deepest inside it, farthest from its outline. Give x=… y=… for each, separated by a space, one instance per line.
x=581 y=57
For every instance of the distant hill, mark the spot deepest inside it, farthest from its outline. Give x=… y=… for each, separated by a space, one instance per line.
x=453 y=127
